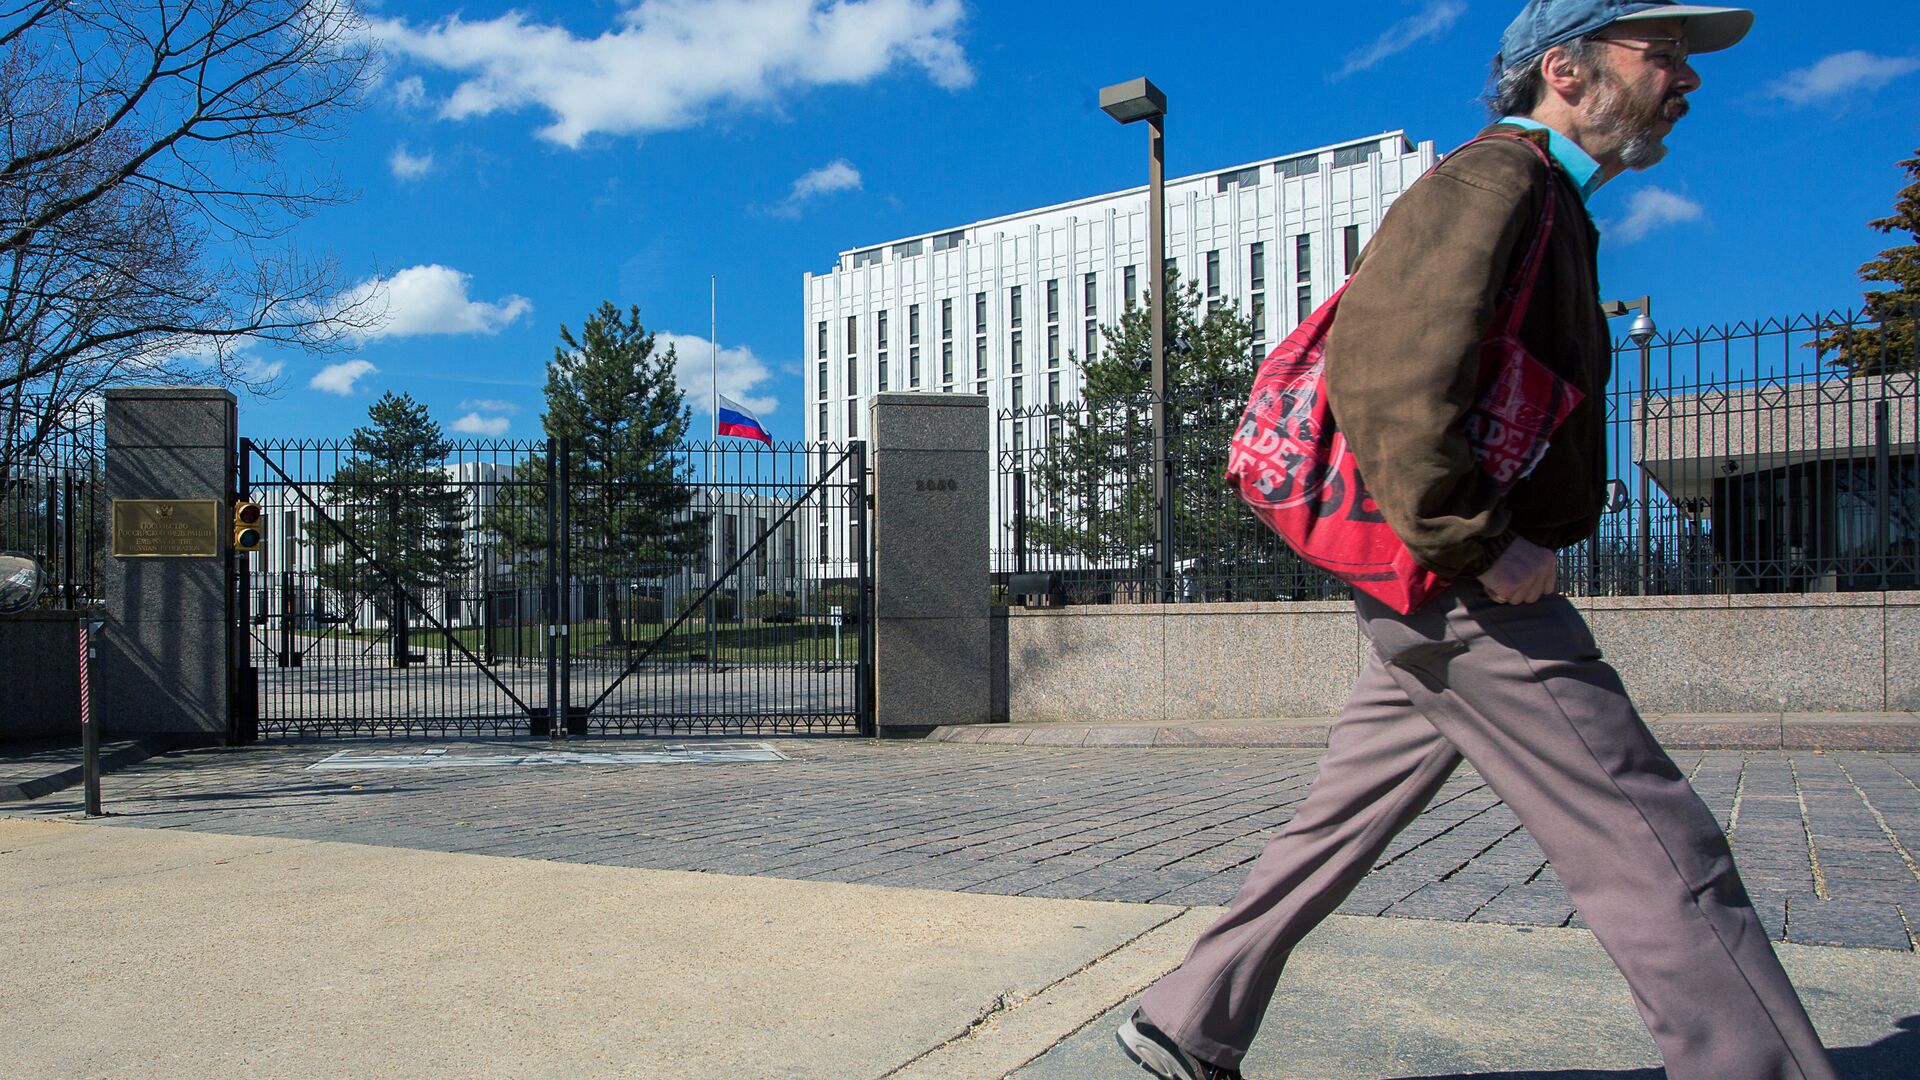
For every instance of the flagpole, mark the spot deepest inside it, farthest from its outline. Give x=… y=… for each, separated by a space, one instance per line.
x=713 y=298
x=713 y=284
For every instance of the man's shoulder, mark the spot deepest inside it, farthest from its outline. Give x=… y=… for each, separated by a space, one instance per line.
x=1499 y=160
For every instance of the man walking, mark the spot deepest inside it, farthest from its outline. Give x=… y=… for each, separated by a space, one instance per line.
x=1500 y=669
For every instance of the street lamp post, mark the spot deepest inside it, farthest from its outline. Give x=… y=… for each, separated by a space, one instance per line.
x=1641 y=333
x=1127 y=102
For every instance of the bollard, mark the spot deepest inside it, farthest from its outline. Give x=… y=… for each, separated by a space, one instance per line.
x=89 y=731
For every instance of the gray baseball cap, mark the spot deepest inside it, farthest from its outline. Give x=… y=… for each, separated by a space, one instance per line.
x=1542 y=24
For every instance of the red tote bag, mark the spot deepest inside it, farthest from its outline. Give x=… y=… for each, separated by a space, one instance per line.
x=1290 y=463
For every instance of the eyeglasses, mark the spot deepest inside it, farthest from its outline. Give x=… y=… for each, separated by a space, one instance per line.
x=1666 y=52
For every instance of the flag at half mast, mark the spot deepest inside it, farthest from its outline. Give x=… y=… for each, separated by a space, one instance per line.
x=738 y=421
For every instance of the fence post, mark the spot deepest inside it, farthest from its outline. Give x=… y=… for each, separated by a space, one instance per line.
x=1883 y=489
x=171 y=653
x=1019 y=521
x=1645 y=525
x=932 y=633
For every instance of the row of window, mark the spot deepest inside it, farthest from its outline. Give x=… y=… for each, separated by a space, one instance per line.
x=1016 y=329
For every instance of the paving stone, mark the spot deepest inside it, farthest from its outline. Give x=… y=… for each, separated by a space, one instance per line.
x=1844 y=922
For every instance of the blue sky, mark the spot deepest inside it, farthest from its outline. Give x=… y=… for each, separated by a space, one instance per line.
x=518 y=165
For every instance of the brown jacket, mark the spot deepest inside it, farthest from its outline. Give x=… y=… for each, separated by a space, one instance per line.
x=1403 y=357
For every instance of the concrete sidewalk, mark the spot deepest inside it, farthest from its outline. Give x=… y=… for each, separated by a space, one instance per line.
x=162 y=953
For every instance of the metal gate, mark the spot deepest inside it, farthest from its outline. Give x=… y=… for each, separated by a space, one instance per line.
x=486 y=588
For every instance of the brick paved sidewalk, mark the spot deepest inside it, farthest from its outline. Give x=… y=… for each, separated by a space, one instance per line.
x=1826 y=841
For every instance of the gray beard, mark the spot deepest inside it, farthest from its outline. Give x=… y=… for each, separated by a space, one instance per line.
x=1640 y=148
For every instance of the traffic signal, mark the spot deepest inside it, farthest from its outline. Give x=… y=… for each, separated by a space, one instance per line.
x=248 y=533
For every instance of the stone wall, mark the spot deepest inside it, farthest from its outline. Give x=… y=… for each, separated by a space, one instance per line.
x=40 y=675
x=1186 y=663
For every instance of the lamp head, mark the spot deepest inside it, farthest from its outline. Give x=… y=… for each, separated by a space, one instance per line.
x=1136 y=99
x=1642 y=330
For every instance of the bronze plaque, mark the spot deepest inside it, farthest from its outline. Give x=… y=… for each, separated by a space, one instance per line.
x=166 y=528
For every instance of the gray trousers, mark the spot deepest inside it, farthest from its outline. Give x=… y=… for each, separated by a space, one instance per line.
x=1520 y=692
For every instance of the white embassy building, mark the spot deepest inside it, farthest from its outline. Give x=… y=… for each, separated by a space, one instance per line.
x=1006 y=307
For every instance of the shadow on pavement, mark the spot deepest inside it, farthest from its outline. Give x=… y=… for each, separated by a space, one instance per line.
x=1891 y=1058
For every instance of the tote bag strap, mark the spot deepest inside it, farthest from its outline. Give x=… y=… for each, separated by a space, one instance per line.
x=1518 y=293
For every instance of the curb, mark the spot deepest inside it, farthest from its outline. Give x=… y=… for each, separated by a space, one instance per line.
x=111 y=760
x=1882 y=732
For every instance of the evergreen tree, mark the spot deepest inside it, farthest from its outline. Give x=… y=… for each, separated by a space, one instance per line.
x=394 y=498
x=1094 y=475
x=611 y=394
x=1891 y=346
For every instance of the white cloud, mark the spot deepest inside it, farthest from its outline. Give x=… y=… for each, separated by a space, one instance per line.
x=474 y=424
x=491 y=405
x=407 y=166
x=340 y=378
x=431 y=299
x=1652 y=208
x=254 y=369
x=410 y=92
x=740 y=372
x=1436 y=18
x=1841 y=73
x=666 y=64
x=835 y=176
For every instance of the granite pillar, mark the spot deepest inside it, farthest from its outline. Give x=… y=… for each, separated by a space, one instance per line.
x=932 y=636
x=163 y=666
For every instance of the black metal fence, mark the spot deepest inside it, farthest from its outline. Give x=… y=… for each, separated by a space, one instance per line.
x=1778 y=456
x=494 y=586
x=51 y=505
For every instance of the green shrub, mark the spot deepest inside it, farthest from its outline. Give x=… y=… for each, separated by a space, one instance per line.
x=644 y=609
x=772 y=607
x=725 y=607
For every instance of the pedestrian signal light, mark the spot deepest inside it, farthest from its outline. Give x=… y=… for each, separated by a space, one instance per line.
x=247 y=530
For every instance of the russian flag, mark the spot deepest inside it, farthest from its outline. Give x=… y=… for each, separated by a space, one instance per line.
x=738 y=421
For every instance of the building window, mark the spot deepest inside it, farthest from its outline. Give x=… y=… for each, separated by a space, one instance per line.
x=822 y=433
x=1016 y=354
x=1130 y=285
x=913 y=347
x=853 y=418
x=980 y=337
x=1214 y=300
x=821 y=381
x=880 y=345
x=946 y=344
x=1350 y=249
x=1354 y=155
x=729 y=539
x=948 y=241
x=1053 y=322
x=1019 y=394
x=1090 y=313
x=1298 y=167
x=1257 y=293
x=1303 y=276
x=760 y=552
x=1053 y=388
x=853 y=354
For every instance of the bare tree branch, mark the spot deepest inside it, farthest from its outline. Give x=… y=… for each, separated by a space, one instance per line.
x=144 y=195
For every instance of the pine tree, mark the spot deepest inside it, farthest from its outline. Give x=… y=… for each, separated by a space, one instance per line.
x=1094 y=473
x=394 y=499
x=1890 y=346
x=611 y=394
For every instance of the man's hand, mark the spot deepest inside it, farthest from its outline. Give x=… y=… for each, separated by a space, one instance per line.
x=1523 y=573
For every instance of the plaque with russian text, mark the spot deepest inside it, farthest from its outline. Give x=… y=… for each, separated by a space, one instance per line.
x=166 y=528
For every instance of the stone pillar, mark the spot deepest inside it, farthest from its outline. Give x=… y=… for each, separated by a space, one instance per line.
x=932 y=637
x=163 y=666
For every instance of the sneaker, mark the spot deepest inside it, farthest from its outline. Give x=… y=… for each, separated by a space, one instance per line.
x=1153 y=1051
